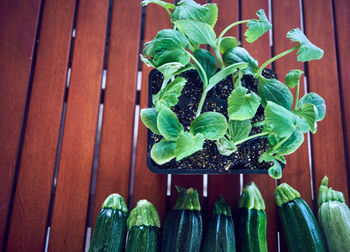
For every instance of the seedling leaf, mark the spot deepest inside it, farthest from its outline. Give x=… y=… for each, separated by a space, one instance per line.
x=187 y=144
x=275 y=171
x=169 y=69
x=189 y=10
x=196 y=31
x=149 y=119
x=168 y=96
x=163 y=152
x=225 y=147
x=316 y=100
x=167 y=47
x=278 y=120
x=159 y=2
x=242 y=106
x=309 y=113
x=208 y=62
x=256 y=28
x=275 y=91
x=293 y=77
x=168 y=124
x=307 y=51
x=227 y=43
x=292 y=143
x=211 y=125
x=238 y=130
x=239 y=54
x=219 y=76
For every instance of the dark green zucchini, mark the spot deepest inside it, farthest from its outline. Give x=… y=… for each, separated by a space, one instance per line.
x=220 y=235
x=144 y=228
x=110 y=228
x=183 y=224
x=251 y=220
x=300 y=227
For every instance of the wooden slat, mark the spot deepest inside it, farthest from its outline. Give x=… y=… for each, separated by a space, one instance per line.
x=328 y=142
x=73 y=182
x=18 y=22
x=31 y=204
x=226 y=185
x=148 y=185
x=118 y=117
x=296 y=172
x=260 y=50
x=342 y=17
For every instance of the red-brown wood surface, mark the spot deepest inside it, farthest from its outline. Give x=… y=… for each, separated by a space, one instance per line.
x=328 y=143
x=148 y=185
x=118 y=114
x=73 y=182
x=226 y=185
x=18 y=22
x=260 y=50
x=31 y=204
x=342 y=18
x=297 y=170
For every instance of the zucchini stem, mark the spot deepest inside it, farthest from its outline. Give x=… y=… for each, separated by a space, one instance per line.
x=275 y=58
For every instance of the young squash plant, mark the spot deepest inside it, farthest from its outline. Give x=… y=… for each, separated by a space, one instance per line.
x=173 y=51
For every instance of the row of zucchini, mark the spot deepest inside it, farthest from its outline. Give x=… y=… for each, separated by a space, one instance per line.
x=183 y=228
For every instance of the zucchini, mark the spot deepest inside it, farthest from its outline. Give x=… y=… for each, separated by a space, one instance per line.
x=183 y=224
x=144 y=228
x=220 y=235
x=334 y=218
x=300 y=227
x=252 y=220
x=110 y=228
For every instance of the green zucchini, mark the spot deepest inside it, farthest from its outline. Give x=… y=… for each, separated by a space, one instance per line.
x=300 y=227
x=334 y=218
x=110 y=228
x=183 y=224
x=220 y=235
x=144 y=228
x=252 y=220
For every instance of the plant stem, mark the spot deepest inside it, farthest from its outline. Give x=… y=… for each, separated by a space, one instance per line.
x=297 y=96
x=279 y=144
x=218 y=56
x=167 y=10
x=228 y=28
x=251 y=137
x=275 y=58
x=201 y=103
x=258 y=124
x=165 y=82
x=205 y=83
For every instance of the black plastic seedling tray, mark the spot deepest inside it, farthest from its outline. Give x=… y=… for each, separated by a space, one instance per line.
x=212 y=98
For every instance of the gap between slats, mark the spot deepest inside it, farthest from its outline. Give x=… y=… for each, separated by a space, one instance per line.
x=60 y=137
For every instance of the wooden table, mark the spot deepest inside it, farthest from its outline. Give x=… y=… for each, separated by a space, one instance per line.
x=71 y=88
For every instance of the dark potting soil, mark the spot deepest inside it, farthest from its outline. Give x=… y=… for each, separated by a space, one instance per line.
x=209 y=157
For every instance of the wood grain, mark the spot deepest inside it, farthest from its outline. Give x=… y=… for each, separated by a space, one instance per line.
x=18 y=22
x=148 y=185
x=73 y=182
x=260 y=50
x=31 y=204
x=226 y=185
x=118 y=113
x=342 y=19
x=328 y=142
